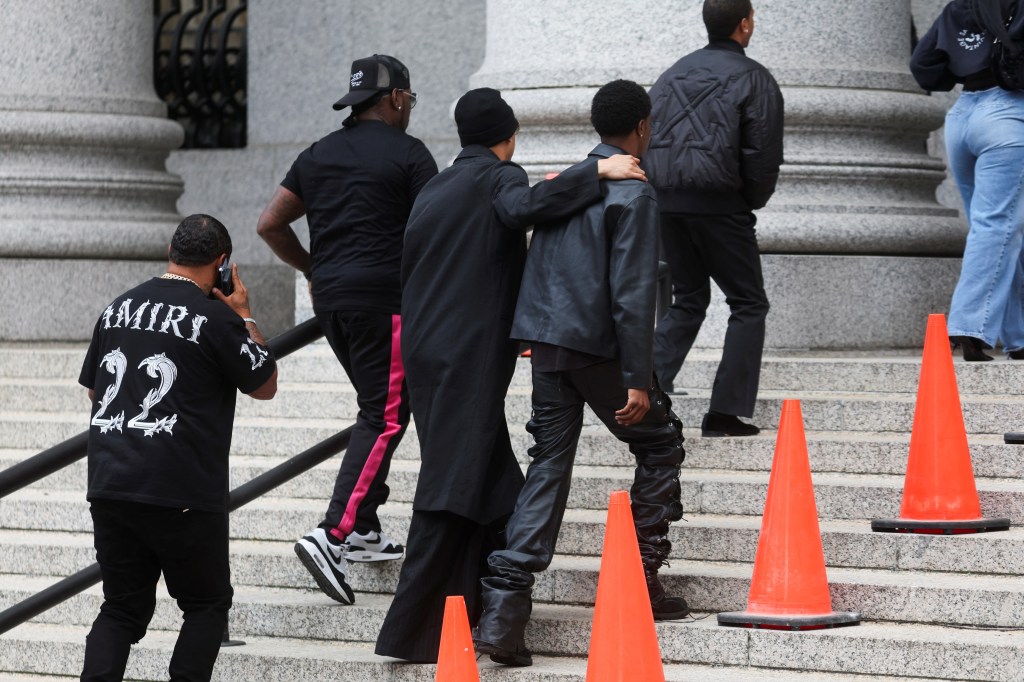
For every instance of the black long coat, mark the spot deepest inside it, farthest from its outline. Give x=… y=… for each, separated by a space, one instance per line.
x=465 y=246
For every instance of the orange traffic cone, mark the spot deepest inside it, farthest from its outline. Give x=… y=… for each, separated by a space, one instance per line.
x=789 y=587
x=939 y=495
x=623 y=642
x=456 y=661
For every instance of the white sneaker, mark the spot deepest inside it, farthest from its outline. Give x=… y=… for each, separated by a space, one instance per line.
x=373 y=546
x=326 y=563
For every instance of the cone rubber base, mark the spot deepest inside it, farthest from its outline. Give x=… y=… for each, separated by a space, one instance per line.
x=939 y=527
x=757 y=621
x=1013 y=438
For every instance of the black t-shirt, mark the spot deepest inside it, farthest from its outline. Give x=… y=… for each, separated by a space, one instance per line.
x=165 y=362
x=358 y=185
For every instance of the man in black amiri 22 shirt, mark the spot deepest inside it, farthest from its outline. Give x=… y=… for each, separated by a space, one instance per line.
x=163 y=368
x=356 y=188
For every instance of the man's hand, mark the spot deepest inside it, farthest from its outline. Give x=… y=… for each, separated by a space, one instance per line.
x=637 y=404
x=620 y=167
x=239 y=299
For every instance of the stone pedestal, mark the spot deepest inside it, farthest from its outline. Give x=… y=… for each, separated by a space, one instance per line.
x=83 y=142
x=857 y=250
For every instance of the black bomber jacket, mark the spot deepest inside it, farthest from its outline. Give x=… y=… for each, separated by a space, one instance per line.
x=717 y=126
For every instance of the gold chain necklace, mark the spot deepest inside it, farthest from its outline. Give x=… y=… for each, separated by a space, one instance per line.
x=181 y=278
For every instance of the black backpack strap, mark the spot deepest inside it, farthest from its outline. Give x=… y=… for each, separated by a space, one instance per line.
x=988 y=14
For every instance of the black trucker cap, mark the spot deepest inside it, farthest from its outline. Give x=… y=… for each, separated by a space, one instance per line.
x=370 y=75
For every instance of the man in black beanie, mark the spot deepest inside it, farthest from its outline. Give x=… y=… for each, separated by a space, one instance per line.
x=465 y=246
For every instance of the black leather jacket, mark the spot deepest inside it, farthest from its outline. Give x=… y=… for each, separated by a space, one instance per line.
x=717 y=125
x=590 y=281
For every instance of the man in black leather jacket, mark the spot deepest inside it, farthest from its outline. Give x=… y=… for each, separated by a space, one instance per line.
x=587 y=306
x=714 y=158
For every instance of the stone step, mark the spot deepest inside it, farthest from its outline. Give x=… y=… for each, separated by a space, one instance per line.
x=293 y=400
x=263 y=436
x=704 y=491
x=964 y=599
x=843 y=371
x=259 y=560
x=855 y=452
x=884 y=595
x=854 y=371
x=822 y=411
x=872 y=648
x=61 y=649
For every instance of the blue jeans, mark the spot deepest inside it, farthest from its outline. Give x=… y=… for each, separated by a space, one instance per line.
x=985 y=144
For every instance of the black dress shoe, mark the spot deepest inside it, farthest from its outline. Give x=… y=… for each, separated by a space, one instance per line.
x=521 y=657
x=973 y=349
x=720 y=425
x=670 y=608
x=1016 y=354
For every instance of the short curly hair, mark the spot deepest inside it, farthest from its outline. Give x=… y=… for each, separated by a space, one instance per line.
x=722 y=17
x=199 y=240
x=618 y=107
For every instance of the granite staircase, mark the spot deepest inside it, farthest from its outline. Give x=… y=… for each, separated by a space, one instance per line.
x=949 y=608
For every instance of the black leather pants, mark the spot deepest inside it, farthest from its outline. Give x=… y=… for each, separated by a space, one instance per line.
x=657 y=444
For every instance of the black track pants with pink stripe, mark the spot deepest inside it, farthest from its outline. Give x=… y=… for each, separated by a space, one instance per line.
x=368 y=346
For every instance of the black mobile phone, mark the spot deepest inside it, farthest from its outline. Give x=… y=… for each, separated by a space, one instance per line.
x=225 y=282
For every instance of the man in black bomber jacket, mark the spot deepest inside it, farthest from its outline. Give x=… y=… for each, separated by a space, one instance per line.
x=714 y=159
x=587 y=306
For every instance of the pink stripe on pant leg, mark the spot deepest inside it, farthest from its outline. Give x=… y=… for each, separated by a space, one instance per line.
x=380 y=447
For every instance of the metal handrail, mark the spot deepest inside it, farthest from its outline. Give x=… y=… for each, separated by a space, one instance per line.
x=67 y=452
x=73 y=449
x=242 y=495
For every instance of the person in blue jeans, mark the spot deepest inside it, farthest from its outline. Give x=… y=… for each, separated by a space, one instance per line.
x=985 y=146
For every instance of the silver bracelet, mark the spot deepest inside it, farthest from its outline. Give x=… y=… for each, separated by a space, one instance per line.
x=248 y=320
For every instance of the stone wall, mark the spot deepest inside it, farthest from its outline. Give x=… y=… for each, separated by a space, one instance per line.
x=858 y=179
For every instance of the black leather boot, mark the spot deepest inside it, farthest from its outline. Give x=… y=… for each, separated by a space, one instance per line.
x=663 y=606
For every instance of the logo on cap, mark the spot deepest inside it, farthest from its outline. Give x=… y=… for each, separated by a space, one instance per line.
x=357 y=79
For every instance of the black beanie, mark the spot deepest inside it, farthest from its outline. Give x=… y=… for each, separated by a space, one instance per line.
x=484 y=118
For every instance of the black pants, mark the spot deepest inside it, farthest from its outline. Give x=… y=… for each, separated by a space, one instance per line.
x=723 y=248
x=446 y=556
x=368 y=346
x=134 y=544
x=656 y=443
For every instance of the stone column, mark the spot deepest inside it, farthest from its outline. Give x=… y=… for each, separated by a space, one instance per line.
x=856 y=249
x=87 y=207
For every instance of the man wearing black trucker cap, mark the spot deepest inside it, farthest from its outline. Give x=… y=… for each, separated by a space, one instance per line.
x=356 y=187
x=464 y=252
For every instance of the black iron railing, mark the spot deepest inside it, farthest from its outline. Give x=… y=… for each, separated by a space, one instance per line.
x=73 y=449
x=199 y=69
